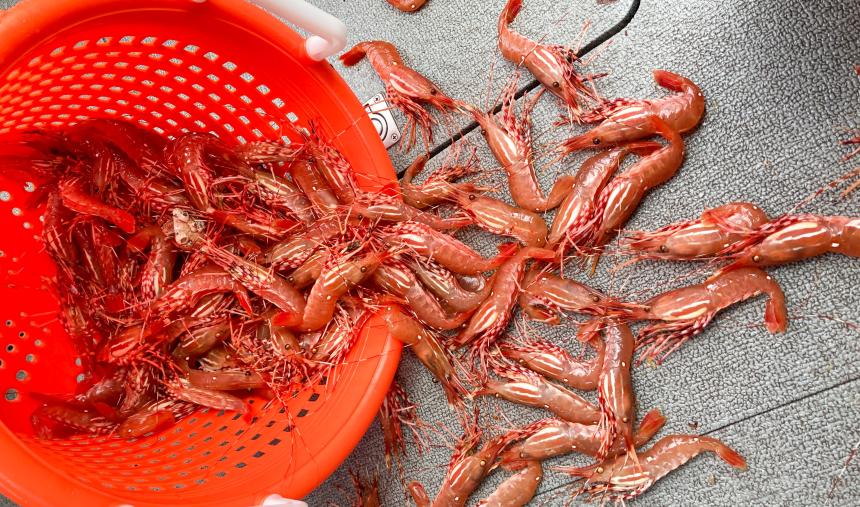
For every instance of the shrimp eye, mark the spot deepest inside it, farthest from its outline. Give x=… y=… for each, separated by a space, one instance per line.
x=596 y=141
x=472 y=197
x=364 y=269
x=756 y=258
x=433 y=91
x=555 y=84
x=291 y=279
x=664 y=248
x=595 y=298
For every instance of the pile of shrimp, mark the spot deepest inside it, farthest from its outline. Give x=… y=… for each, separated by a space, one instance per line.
x=592 y=204
x=190 y=273
x=193 y=273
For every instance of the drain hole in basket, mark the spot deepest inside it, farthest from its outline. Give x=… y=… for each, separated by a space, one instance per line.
x=10 y=348
x=30 y=358
x=11 y=394
x=21 y=376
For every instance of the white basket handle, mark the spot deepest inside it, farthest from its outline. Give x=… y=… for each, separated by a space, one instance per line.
x=329 y=32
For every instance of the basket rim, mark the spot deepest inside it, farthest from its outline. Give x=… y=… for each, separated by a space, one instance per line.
x=32 y=480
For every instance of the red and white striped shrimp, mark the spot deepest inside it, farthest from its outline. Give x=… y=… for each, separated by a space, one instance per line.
x=407 y=5
x=182 y=389
x=405 y=87
x=199 y=340
x=367 y=490
x=439 y=187
x=56 y=420
x=387 y=208
x=615 y=389
x=503 y=219
x=796 y=237
x=552 y=65
x=422 y=240
x=631 y=120
x=620 y=198
x=684 y=313
x=334 y=281
x=146 y=420
x=466 y=471
x=76 y=197
x=621 y=478
x=578 y=206
x=319 y=193
x=233 y=379
x=426 y=347
x=280 y=192
x=705 y=237
x=158 y=271
x=188 y=161
x=492 y=317
x=186 y=291
x=331 y=164
x=397 y=414
x=309 y=271
x=395 y=278
x=517 y=490
x=254 y=277
x=528 y=388
x=546 y=295
x=558 y=437
x=556 y=363
x=447 y=288
x=510 y=140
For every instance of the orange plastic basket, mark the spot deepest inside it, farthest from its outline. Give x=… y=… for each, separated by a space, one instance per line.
x=224 y=66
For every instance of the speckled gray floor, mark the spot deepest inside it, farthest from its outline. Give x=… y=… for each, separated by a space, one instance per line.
x=781 y=89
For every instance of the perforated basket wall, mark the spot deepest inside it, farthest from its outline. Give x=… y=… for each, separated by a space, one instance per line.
x=220 y=66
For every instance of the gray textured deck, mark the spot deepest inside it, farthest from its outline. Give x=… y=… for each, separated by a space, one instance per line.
x=780 y=87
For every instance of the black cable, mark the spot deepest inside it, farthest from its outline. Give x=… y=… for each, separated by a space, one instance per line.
x=605 y=36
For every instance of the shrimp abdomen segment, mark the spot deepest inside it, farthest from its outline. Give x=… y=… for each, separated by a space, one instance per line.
x=517 y=490
x=807 y=237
